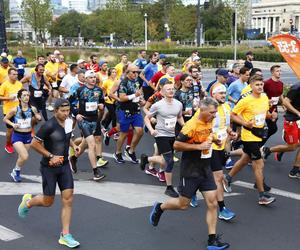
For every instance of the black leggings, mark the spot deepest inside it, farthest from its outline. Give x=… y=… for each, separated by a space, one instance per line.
x=272 y=129
x=110 y=116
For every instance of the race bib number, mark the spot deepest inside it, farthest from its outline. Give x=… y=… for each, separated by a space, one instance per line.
x=54 y=84
x=91 y=106
x=20 y=66
x=206 y=153
x=136 y=99
x=170 y=123
x=24 y=123
x=68 y=125
x=37 y=93
x=260 y=119
x=274 y=100
x=222 y=134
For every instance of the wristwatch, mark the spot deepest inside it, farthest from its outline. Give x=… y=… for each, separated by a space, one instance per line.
x=50 y=156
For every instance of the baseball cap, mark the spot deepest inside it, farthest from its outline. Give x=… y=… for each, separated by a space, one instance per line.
x=89 y=73
x=4 y=60
x=80 y=61
x=163 y=81
x=218 y=88
x=223 y=72
x=162 y=56
x=177 y=77
x=101 y=62
x=61 y=102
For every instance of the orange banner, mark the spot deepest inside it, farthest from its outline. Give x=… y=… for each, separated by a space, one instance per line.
x=289 y=48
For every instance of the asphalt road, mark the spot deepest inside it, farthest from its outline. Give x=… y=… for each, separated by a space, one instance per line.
x=113 y=214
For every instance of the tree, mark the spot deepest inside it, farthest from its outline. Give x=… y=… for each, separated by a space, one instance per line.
x=38 y=14
x=6 y=10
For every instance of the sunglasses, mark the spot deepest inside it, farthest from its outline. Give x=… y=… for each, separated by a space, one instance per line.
x=135 y=72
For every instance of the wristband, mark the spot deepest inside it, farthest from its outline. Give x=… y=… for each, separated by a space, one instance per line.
x=131 y=97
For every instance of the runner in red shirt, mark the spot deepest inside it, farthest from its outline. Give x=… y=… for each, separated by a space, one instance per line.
x=93 y=65
x=159 y=74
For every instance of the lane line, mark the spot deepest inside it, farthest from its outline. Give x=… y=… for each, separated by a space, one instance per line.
x=7 y=235
x=275 y=191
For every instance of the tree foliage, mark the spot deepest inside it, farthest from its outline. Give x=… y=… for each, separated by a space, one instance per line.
x=38 y=14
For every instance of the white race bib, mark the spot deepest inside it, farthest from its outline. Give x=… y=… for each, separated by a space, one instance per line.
x=206 y=153
x=37 y=93
x=54 y=85
x=170 y=123
x=260 y=119
x=222 y=134
x=91 y=106
x=24 y=123
x=136 y=99
x=275 y=100
x=68 y=125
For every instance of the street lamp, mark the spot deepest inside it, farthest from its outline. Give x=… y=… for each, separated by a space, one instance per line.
x=146 y=35
x=235 y=29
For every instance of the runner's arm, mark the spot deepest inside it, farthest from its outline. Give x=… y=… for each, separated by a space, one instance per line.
x=8 y=116
x=289 y=106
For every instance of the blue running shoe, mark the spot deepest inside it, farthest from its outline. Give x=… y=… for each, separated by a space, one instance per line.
x=155 y=214
x=217 y=244
x=68 y=241
x=226 y=214
x=194 y=201
x=16 y=175
x=23 y=209
x=229 y=163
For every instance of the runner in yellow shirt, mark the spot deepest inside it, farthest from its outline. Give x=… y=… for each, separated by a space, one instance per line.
x=119 y=67
x=4 y=67
x=51 y=71
x=251 y=112
x=8 y=94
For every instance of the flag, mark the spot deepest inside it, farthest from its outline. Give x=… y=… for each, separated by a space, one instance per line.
x=289 y=48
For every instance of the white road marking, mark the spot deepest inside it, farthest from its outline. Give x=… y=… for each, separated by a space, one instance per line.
x=129 y=195
x=275 y=191
x=2 y=133
x=8 y=235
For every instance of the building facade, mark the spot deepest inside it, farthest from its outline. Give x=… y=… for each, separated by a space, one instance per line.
x=275 y=16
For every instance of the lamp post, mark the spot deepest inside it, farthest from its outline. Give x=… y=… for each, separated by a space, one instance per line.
x=235 y=29
x=146 y=33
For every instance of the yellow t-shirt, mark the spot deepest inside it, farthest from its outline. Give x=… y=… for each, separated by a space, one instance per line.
x=52 y=68
x=252 y=108
x=246 y=90
x=102 y=77
x=107 y=85
x=8 y=89
x=3 y=74
x=220 y=125
x=119 y=69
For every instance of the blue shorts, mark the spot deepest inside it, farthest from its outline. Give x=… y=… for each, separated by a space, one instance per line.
x=87 y=128
x=135 y=120
x=26 y=138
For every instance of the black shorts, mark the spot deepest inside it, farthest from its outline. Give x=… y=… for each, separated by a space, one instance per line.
x=218 y=160
x=61 y=175
x=7 y=125
x=87 y=128
x=189 y=186
x=252 y=148
x=164 y=144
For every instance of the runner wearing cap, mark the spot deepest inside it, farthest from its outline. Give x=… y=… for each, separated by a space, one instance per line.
x=234 y=74
x=52 y=142
x=81 y=65
x=162 y=59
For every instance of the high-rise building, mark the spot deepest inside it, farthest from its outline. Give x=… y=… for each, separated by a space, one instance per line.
x=96 y=4
x=77 y=5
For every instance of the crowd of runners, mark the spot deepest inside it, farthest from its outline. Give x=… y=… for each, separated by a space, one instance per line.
x=234 y=116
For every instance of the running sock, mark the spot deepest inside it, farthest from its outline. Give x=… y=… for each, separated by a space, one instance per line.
x=169 y=187
x=17 y=168
x=64 y=232
x=95 y=170
x=112 y=131
x=221 y=205
x=211 y=237
x=129 y=136
x=159 y=208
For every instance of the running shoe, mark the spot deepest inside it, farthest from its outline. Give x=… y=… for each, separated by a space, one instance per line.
x=194 y=201
x=294 y=173
x=9 y=148
x=106 y=139
x=226 y=214
x=266 y=152
x=16 y=175
x=217 y=244
x=98 y=175
x=131 y=156
x=23 y=209
x=118 y=157
x=127 y=147
x=170 y=191
x=227 y=183
x=144 y=161
x=151 y=171
x=229 y=163
x=101 y=162
x=266 y=199
x=266 y=187
x=161 y=176
x=278 y=156
x=73 y=163
x=50 y=108
x=155 y=214
x=68 y=241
